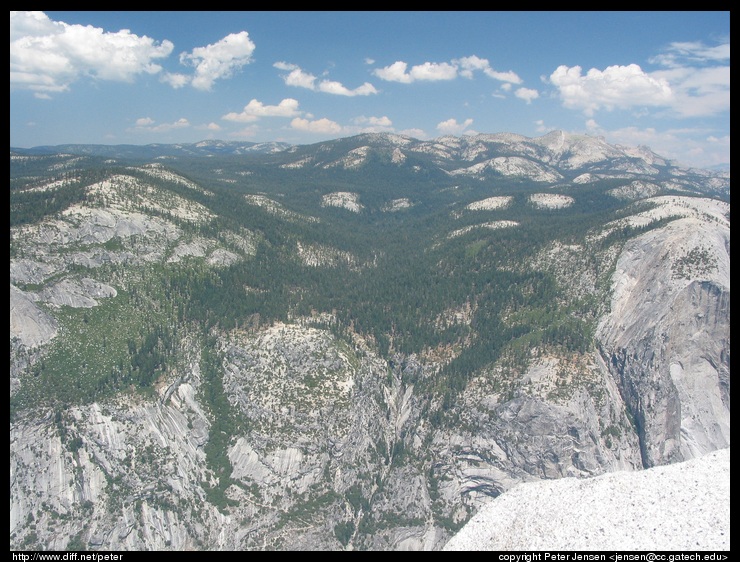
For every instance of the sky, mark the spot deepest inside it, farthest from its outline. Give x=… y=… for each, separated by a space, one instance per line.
x=659 y=79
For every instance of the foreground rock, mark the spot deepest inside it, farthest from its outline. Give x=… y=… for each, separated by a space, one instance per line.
x=684 y=506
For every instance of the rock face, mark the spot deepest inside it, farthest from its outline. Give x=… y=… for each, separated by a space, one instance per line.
x=666 y=339
x=30 y=325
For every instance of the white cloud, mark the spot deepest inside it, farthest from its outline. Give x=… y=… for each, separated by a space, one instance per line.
x=433 y=71
x=370 y=125
x=256 y=109
x=508 y=76
x=430 y=71
x=699 y=76
x=414 y=133
x=615 y=87
x=527 y=94
x=145 y=125
x=175 y=80
x=373 y=121
x=695 y=82
x=368 y=60
x=469 y=64
x=452 y=127
x=211 y=127
x=219 y=60
x=696 y=52
x=395 y=72
x=48 y=56
x=698 y=91
x=323 y=125
x=331 y=87
x=541 y=127
x=302 y=79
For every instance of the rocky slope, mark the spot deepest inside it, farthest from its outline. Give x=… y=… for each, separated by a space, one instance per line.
x=139 y=423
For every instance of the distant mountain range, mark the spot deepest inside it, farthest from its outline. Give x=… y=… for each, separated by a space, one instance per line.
x=151 y=151
x=554 y=158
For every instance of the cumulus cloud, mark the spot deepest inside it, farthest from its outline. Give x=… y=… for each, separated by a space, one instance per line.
x=527 y=94
x=323 y=125
x=395 y=72
x=615 y=87
x=364 y=124
x=256 y=109
x=48 y=56
x=469 y=64
x=146 y=125
x=332 y=87
x=296 y=77
x=302 y=79
x=694 y=82
x=452 y=127
x=383 y=121
x=431 y=71
x=175 y=80
x=219 y=60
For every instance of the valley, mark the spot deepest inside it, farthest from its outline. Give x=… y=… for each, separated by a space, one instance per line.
x=351 y=345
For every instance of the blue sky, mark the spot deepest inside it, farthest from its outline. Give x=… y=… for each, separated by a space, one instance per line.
x=660 y=79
